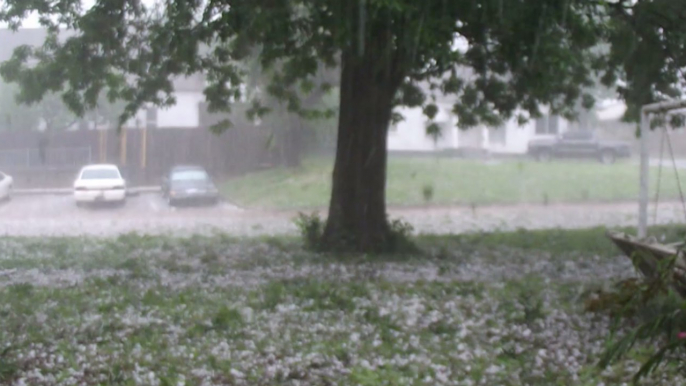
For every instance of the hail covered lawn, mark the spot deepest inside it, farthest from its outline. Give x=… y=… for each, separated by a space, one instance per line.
x=213 y=310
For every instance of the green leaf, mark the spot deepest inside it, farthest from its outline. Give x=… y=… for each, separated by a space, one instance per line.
x=452 y=85
x=431 y=110
x=588 y=101
x=396 y=118
x=412 y=95
x=221 y=126
x=434 y=131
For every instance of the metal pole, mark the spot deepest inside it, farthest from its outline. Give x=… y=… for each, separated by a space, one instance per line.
x=643 y=188
x=144 y=148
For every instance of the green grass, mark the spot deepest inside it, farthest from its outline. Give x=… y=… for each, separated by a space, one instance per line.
x=216 y=309
x=168 y=311
x=448 y=181
x=560 y=242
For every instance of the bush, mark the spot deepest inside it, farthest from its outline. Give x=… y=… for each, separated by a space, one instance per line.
x=311 y=228
x=652 y=312
x=400 y=237
x=428 y=193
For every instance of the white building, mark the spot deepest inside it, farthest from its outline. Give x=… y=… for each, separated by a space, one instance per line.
x=407 y=135
x=184 y=114
x=410 y=134
x=188 y=91
x=511 y=138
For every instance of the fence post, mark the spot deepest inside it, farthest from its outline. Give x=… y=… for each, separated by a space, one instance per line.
x=103 y=145
x=122 y=147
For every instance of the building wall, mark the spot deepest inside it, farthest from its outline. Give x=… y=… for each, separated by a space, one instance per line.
x=511 y=138
x=410 y=134
x=184 y=114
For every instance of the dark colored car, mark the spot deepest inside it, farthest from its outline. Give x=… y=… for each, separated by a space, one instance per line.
x=579 y=144
x=189 y=184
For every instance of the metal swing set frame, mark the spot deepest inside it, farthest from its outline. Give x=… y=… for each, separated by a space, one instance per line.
x=646 y=252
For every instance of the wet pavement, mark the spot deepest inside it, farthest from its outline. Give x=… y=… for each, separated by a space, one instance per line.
x=149 y=214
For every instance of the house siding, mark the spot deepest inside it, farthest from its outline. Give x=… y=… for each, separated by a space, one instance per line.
x=517 y=136
x=410 y=134
x=510 y=138
x=184 y=114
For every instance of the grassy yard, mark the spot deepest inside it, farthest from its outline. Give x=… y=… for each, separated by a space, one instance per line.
x=482 y=309
x=445 y=181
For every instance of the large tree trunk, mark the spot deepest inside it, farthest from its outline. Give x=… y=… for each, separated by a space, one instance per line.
x=357 y=212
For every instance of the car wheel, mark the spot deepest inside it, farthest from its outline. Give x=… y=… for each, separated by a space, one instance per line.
x=79 y=204
x=543 y=156
x=607 y=157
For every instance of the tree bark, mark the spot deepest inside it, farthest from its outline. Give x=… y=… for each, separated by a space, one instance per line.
x=357 y=213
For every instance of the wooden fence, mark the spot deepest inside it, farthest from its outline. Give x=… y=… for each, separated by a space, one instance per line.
x=40 y=160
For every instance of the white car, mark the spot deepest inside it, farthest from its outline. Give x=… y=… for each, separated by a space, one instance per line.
x=6 y=182
x=99 y=183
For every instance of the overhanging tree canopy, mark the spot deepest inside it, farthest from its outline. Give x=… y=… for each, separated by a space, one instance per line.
x=520 y=55
x=647 y=52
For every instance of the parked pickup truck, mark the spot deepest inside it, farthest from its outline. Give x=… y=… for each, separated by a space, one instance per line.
x=579 y=144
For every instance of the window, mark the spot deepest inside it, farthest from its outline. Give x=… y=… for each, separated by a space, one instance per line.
x=548 y=124
x=190 y=175
x=100 y=174
x=553 y=124
x=151 y=118
x=541 y=125
x=497 y=135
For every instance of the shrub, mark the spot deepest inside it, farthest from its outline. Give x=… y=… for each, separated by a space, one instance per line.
x=652 y=312
x=311 y=228
x=400 y=237
x=428 y=192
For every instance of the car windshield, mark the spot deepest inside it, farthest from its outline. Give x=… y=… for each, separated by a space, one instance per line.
x=100 y=174
x=190 y=175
